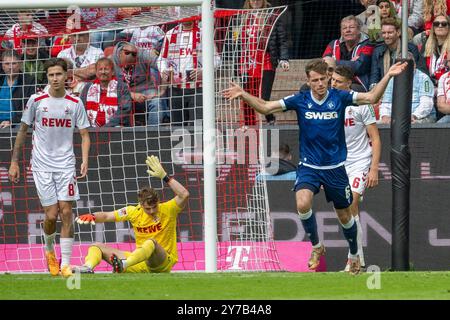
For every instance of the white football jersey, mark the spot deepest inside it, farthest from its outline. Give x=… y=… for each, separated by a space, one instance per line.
x=359 y=148
x=54 y=121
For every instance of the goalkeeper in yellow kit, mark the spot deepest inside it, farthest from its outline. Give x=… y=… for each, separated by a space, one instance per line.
x=154 y=225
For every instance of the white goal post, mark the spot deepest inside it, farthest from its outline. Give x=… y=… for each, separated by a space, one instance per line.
x=209 y=136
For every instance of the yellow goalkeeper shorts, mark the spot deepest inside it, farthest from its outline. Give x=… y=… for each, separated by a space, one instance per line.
x=143 y=267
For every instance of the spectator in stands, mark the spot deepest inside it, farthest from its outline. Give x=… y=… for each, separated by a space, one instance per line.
x=276 y=55
x=180 y=64
x=105 y=105
x=34 y=57
x=433 y=8
x=151 y=39
x=443 y=96
x=385 y=10
x=15 y=89
x=385 y=54
x=134 y=70
x=352 y=50
x=415 y=15
x=365 y=16
x=25 y=26
x=422 y=107
x=81 y=54
x=436 y=48
x=98 y=18
x=60 y=43
x=281 y=161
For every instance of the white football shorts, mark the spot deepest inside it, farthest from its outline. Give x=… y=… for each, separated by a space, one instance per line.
x=56 y=186
x=357 y=180
x=357 y=175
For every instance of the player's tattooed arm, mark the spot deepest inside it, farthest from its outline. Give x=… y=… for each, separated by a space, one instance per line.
x=20 y=140
x=14 y=170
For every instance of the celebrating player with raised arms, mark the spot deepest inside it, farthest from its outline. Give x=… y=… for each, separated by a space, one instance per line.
x=54 y=116
x=154 y=226
x=363 y=150
x=321 y=115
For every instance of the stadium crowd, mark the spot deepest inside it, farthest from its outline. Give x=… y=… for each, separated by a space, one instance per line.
x=153 y=75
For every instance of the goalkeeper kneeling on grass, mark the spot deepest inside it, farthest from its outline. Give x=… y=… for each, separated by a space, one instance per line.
x=154 y=225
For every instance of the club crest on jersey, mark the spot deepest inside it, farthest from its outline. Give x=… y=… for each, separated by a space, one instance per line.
x=67 y=110
x=122 y=212
x=331 y=105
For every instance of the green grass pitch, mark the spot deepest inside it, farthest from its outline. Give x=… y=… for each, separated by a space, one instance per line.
x=230 y=286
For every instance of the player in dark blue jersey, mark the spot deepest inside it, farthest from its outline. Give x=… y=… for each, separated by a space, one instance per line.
x=321 y=116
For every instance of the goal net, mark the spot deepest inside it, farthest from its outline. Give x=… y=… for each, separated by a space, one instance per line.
x=159 y=113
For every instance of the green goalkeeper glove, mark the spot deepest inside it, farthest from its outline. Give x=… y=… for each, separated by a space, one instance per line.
x=85 y=219
x=155 y=168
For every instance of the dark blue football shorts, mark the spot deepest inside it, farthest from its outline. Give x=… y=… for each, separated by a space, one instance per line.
x=334 y=181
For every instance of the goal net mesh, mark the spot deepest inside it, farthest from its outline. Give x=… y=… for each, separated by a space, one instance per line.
x=165 y=119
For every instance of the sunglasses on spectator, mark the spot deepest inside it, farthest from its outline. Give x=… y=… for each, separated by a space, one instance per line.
x=440 y=24
x=133 y=53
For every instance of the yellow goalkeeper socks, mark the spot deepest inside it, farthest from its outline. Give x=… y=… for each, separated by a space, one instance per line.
x=141 y=254
x=94 y=257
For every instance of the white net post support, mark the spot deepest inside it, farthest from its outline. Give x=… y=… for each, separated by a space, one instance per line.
x=208 y=96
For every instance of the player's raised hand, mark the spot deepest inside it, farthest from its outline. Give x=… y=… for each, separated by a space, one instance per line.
x=397 y=68
x=233 y=91
x=155 y=168
x=14 y=172
x=85 y=219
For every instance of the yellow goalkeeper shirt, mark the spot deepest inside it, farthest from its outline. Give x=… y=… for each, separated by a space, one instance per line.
x=163 y=230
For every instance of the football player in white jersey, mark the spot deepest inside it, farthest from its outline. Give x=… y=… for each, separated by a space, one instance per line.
x=363 y=149
x=54 y=116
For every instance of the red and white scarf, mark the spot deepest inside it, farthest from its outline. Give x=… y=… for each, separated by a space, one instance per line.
x=101 y=106
x=437 y=65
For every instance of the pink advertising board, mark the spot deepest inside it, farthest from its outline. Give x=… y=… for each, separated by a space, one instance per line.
x=293 y=256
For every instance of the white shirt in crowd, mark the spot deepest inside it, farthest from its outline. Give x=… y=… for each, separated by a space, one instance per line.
x=182 y=52
x=148 y=38
x=90 y=56
x=444 y=86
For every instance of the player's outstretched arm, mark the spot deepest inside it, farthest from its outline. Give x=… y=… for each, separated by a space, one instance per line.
x=265 y=107
x=99 y=217
x=14 y=170
x=156 y=170
x=85 y=145
x=374 y=95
